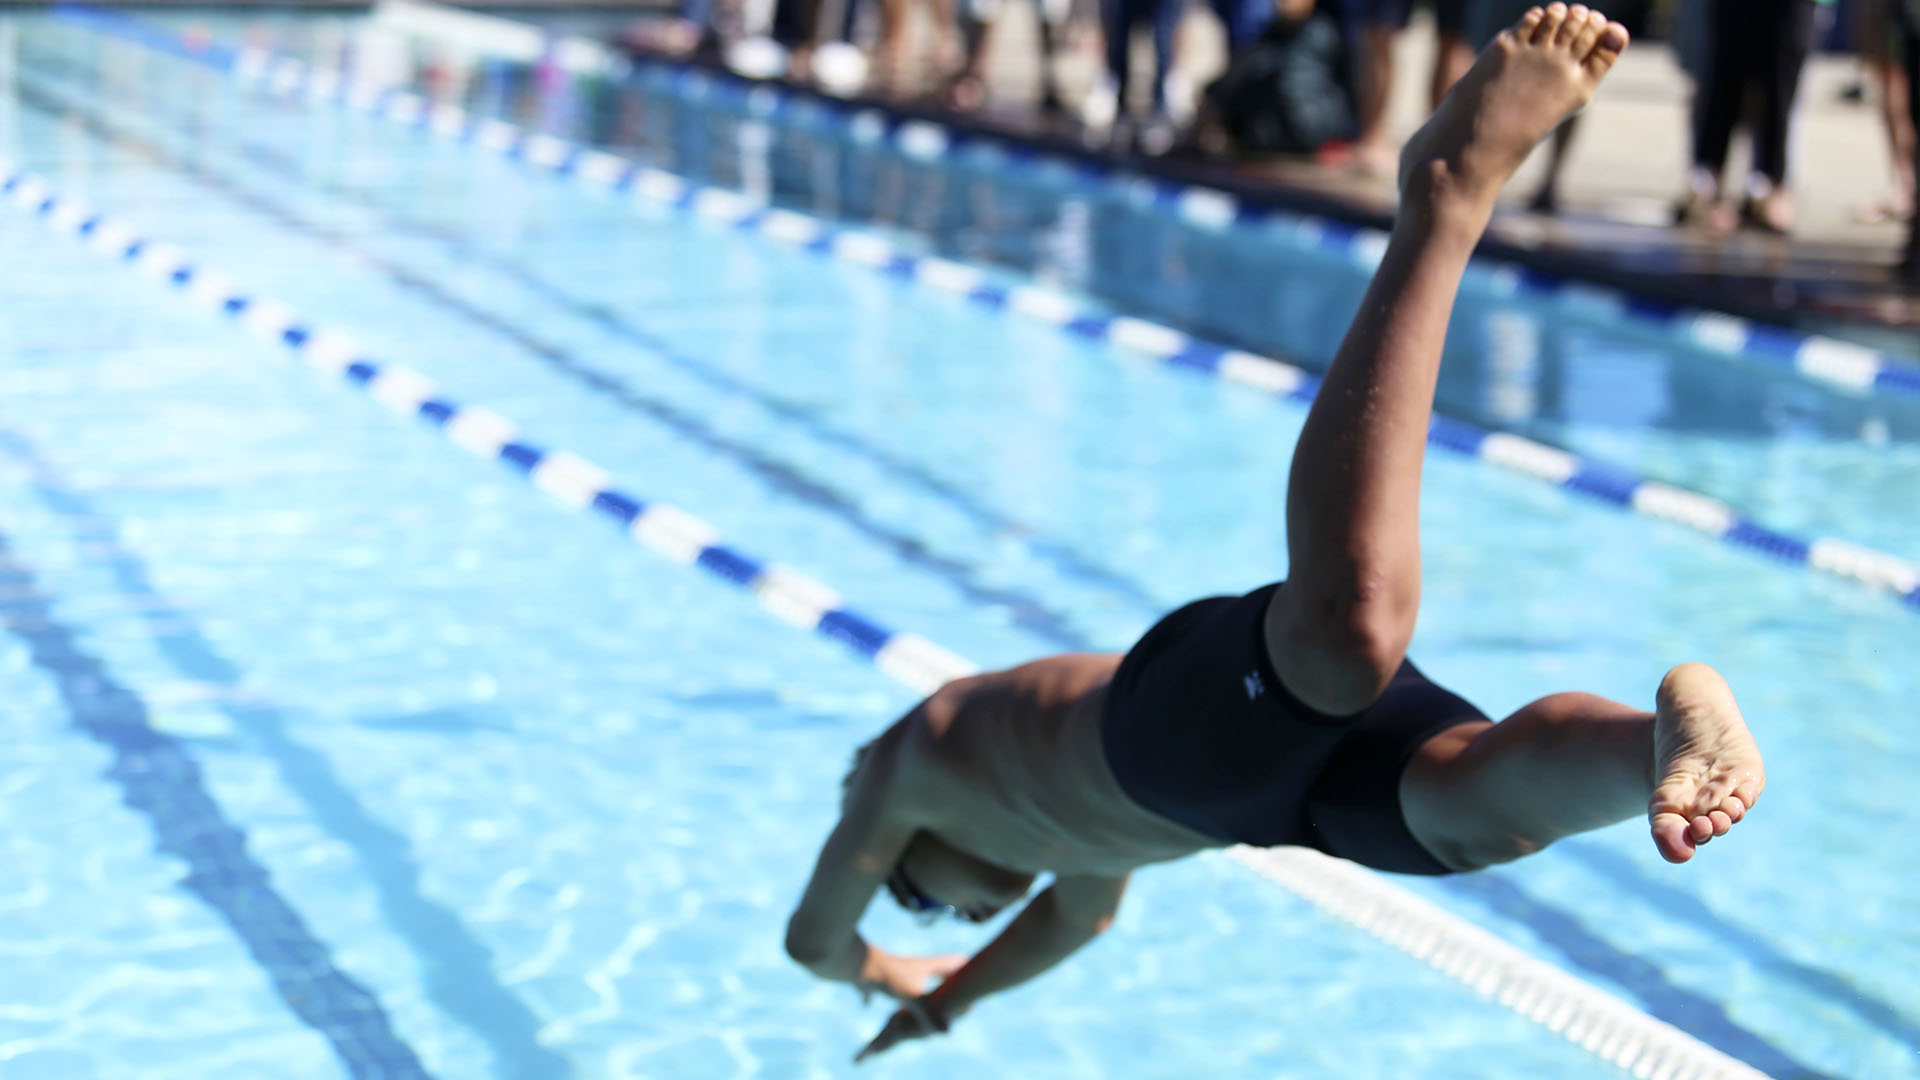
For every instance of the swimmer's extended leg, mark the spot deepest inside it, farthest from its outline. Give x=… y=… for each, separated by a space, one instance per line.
x=1338 y=629
x=1481 y=793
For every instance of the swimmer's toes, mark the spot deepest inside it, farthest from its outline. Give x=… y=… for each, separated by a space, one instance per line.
x=1678 y=794
x=1608 y=44
x=1670 y=835
x=1571 y=26
x=1552 y=18
x=1587 y=34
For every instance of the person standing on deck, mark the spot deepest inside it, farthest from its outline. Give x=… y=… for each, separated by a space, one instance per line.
x=1909 y=19
x=1754 y=47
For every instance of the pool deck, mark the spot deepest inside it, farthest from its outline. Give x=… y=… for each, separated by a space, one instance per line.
x=1629 y=162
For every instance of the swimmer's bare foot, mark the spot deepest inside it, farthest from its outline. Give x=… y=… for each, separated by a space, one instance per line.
x=1707 y=769
x=1534 y=75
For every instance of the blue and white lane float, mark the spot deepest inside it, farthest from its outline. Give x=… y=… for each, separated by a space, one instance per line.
x=1842 y=364
x=290 y=78
x=571 y=479
x=1845 y=365
x=1585 y=1015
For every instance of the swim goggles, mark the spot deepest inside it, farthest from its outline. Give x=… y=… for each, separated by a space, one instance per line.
x=908 y=895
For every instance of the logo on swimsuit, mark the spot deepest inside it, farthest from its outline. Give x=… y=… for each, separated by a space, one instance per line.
x=1254 y=686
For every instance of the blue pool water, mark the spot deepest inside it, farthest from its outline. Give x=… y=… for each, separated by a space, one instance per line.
x=333 y=750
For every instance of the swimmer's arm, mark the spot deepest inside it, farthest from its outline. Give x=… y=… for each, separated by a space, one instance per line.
x=1068 y=914
x=862 y=850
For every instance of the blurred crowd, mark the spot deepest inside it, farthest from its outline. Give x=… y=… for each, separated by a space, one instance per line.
x=1312 y=78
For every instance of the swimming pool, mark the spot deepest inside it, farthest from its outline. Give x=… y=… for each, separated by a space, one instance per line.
x=528 y=801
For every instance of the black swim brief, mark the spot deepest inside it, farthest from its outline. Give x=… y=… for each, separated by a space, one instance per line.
x=1199 y=729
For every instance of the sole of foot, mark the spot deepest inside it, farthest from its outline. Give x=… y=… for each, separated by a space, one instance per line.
x=1707 y=768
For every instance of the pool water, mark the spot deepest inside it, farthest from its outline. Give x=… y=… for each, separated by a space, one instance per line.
x=334 y=751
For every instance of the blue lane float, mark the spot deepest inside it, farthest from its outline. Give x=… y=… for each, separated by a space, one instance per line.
x=1840 y=362
x=1609 y=1027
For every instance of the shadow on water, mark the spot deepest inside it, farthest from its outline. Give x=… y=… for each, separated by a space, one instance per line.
x=444 y=720
x=1698 y=1015
x=1680 y=904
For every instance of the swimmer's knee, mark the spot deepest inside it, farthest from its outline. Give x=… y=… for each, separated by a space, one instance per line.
x=1466 y=797
x=1463 y=855
x=1462 y=836
x=1337 y=654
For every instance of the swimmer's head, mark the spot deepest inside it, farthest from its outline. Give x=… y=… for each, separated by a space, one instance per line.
x=933 y=877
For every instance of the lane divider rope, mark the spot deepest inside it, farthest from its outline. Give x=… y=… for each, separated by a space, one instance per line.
x=1841 y=364
x=1589 y=1017
x=286 y=77
x=1844 y=365
x=567 y=477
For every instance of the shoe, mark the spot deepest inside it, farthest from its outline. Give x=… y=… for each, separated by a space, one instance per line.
x=1761 y=214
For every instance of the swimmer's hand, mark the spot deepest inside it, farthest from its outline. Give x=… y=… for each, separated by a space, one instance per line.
x=916 y=1018
x=904 y=977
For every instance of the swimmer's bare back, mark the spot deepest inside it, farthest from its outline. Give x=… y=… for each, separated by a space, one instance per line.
x=1012 y=764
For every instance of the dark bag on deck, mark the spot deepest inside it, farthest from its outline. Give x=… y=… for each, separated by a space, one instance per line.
x=1291 y=92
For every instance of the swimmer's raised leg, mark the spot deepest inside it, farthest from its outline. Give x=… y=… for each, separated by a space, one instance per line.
x=1484 y=793
x=1480 y=794
x=1339 y=628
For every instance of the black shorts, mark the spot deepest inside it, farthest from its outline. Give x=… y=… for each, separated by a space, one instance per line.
x=1200 y=730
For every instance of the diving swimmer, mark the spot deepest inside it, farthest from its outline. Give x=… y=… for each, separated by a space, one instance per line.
x=1288 y=715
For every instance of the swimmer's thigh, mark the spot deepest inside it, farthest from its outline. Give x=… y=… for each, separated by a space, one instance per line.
x=1359 y=806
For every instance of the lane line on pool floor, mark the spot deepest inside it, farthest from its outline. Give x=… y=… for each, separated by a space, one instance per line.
x=159 y=780
x=455 y=966
x=290 y=78
x=1593 y=1019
